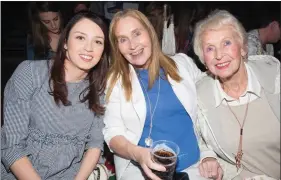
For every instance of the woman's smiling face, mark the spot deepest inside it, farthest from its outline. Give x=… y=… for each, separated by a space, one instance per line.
x=134 y=41
x=222 y=51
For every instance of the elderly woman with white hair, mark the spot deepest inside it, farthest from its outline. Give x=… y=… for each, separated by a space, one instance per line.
x=239 y=101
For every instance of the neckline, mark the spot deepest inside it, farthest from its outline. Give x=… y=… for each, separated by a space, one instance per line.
x=77 y=82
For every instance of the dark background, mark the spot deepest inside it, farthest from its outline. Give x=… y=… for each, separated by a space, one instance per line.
x=15 y=25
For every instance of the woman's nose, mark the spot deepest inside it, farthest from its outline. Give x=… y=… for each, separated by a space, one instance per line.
x=218 y=54
x=53 y=24
x=88 y=46
x=133 y=45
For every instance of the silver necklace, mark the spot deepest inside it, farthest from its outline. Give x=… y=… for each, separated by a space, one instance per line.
x=148 y=141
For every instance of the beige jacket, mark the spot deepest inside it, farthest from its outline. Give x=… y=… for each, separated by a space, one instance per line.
x=267 y=70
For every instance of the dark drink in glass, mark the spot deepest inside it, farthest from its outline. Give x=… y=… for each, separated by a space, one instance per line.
x=165 y=153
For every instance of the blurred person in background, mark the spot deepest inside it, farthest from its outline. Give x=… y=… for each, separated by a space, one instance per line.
x=46 y=26
x=261 y=40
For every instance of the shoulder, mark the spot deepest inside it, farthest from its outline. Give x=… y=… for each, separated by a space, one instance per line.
x=205 y=83
x=253 y=33
x=187 y=66
x=41 y=64
x=205 y=88
x=265 y=62
x=267 y=70
x=41 y=67
x=182 y=59
x=23 y=71
x=253 y=36
x=31 y=68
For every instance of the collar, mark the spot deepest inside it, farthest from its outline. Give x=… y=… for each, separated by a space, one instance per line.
x=253 y=87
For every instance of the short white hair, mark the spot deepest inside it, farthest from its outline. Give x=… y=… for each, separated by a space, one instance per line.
x=216 y=20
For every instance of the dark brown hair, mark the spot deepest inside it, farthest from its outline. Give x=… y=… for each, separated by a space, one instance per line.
x=96 y=75
x=39 y=33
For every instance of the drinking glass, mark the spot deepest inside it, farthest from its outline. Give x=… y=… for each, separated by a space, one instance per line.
x=165 y=153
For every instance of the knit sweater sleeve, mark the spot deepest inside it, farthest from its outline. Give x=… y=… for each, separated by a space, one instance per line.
x=16 y=111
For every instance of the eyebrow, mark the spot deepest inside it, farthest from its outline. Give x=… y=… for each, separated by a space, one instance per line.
x=134 y=31
x=56 y=17
x=49 y=20
x=79 y=32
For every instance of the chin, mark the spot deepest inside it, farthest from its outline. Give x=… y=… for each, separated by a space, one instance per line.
x=225 y=75
x=55 y=32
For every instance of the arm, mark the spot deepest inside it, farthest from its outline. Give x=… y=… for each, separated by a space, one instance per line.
x=209 y=165
x=16 y=111
x=195 y=73
x=24 y=170
x=121 y=146
x=124 y=148
x=88 y=164
x=115 y=130
x=205 y=150
x=115 y=136
x=94 y=146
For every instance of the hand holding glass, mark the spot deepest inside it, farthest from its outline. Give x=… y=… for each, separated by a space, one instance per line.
x=165 y=153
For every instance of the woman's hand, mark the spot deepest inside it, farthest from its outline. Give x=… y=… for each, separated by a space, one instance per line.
x=143 y=157
x=210 y=168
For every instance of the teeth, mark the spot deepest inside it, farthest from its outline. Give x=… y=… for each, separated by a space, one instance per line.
x=136 y=53
x=223 y=64
x=86 y=57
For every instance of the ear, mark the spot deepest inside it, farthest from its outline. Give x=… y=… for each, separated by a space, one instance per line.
x=65 y=46
x=273 y=24
x=243 y=52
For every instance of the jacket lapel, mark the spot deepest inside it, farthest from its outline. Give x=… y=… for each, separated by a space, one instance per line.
x=181 y=91
x=138 y=100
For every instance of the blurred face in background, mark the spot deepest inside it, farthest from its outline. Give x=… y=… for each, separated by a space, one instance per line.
x=274 y=33
x=80 y=7
x=51 y=20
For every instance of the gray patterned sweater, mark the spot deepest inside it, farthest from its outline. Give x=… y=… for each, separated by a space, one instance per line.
x=53 y=137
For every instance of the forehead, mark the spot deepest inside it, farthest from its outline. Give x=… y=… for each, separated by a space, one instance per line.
x=88 y=27
x=216 y=34
x=48 y=15
x=126 y=25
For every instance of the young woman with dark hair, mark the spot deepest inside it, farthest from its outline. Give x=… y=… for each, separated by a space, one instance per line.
x=53 y=109
x=46 y=25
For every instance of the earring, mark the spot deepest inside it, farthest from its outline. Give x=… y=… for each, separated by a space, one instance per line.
x=206 y=66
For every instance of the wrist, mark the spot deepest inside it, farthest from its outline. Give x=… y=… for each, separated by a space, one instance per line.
x=208 y=159
x=135 y=153
x=78 y=177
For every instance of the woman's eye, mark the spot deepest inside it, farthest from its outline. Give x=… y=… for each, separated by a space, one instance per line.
x=99 y=42
x=137 y=33
x=209 y=49
x=46 y=22
x=226 y=43
x=80 y=37
x=122 y=40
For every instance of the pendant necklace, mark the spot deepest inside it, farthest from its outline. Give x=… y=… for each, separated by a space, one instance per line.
x=148 y=141
x=239 y=154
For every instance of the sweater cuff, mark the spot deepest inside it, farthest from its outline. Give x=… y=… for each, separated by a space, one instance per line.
x=12 y=156
x=206 y=154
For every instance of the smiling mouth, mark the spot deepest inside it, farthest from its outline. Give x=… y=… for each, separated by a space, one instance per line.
x=137 y=52
x=221 y=65
x=86 y=57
